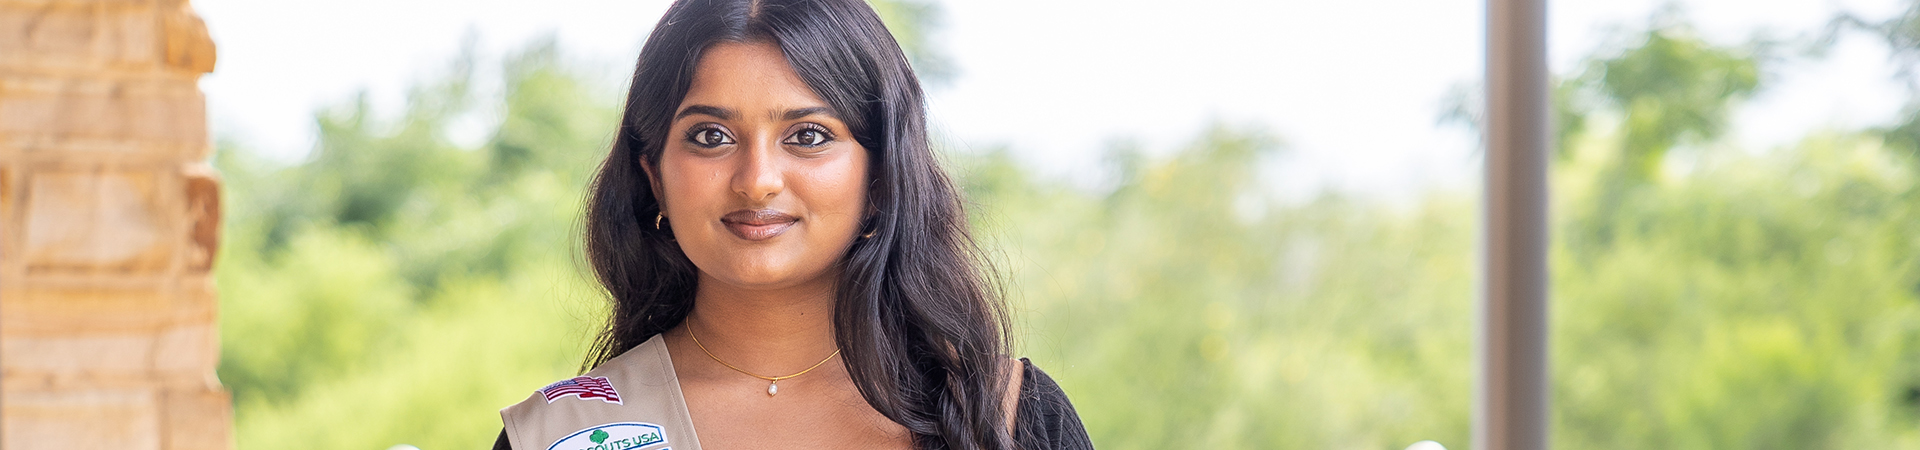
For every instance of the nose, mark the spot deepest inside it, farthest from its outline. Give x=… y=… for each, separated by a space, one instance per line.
x=759 y=178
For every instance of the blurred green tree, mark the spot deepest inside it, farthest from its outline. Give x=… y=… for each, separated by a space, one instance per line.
x=1660 y=87
x=1901 y=35
x=1670 y=87
x=1750 y=301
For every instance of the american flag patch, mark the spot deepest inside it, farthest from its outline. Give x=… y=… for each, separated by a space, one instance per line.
x=583 y=387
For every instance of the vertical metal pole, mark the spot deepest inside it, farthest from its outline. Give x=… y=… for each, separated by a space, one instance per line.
x=1510 y=410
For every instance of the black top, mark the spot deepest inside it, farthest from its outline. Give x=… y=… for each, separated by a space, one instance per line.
x=1043 y=420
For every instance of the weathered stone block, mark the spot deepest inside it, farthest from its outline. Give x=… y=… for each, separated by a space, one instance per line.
x=115 y=332
x=6 y=190
x=203 y=213
x=188 y=349
x=78 y=311
x=197 y=419
x=78 y=36
x=163 y=112
x=107 y=311
x=105 y=3
x=7 y=218
x=77 y=355
x=87 y=418
x=188 y=46
x=98 y=220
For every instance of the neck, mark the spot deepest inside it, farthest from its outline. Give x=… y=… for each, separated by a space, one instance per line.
x=771 y=332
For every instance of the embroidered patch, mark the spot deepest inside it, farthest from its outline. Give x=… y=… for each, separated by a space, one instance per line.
x=583 y=387
x=612 y=436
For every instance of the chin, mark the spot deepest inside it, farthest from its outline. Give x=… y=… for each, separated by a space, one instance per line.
x=759 y=273
x=758 y=280
x=782 y=262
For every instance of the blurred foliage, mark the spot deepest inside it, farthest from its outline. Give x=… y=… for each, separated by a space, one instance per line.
x=913 y=24
x=1901 y=35
x=405 y=287
x=1657 y=88
x=400 y=288
x=1669 y=87
x=1186 y=308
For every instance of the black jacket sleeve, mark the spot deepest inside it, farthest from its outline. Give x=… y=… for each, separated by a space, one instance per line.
x=1045 y=419
x=501 y=443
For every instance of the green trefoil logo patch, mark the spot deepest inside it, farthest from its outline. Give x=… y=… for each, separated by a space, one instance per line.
x=613 y=436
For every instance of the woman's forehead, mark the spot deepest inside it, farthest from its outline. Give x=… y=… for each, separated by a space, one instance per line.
x=750 y=81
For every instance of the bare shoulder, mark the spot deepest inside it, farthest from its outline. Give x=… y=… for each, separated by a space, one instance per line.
x=1015 y=372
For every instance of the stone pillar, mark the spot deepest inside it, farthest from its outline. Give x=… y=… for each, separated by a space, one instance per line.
x=109 y=217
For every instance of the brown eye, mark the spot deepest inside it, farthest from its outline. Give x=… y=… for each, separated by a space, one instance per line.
x=709 y=137
x=808 y=137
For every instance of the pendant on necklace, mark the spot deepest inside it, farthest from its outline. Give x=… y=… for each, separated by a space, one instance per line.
x=773 y=388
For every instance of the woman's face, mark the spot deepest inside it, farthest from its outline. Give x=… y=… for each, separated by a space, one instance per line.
x=763 y=187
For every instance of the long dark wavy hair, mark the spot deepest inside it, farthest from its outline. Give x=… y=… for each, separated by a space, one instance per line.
x=918 y=316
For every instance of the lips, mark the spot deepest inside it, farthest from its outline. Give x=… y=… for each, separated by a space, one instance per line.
x=758 y=225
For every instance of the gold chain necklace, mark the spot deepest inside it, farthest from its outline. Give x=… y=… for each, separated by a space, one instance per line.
x=773 y=386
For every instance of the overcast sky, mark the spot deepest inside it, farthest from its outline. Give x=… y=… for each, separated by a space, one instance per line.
x=1354 y=88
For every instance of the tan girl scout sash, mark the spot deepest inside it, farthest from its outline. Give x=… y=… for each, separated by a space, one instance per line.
x=631 y=402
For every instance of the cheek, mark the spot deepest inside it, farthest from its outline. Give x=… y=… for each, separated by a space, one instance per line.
x=841 y=189
x=686 y=184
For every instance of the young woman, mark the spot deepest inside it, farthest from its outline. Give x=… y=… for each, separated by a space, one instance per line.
x=789 y=267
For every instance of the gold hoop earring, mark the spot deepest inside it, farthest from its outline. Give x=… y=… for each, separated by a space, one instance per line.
x=657 y=217
x=869 y=234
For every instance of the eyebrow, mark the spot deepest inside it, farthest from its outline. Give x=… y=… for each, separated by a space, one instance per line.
x=794 y=114
x=722 y=113
x=727 y=114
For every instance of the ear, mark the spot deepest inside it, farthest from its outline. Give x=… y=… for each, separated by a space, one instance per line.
x=653 y=181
